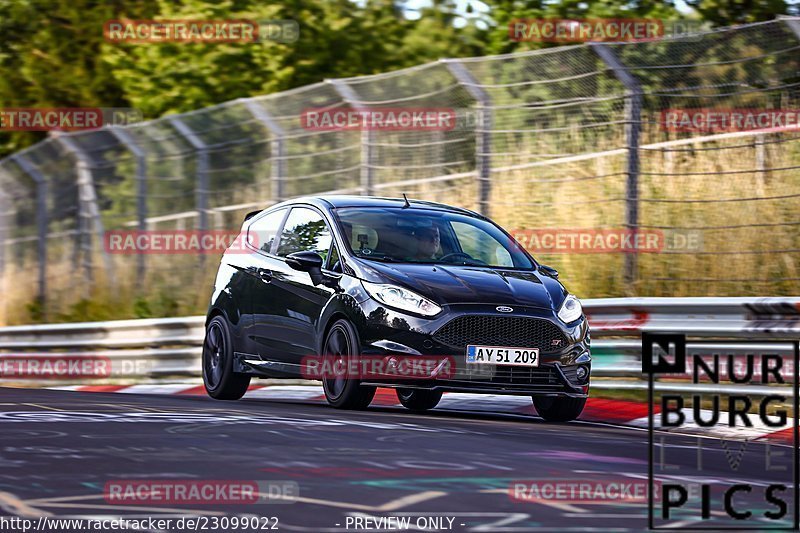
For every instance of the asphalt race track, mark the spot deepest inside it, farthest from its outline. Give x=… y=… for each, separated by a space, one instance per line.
x=58 y=449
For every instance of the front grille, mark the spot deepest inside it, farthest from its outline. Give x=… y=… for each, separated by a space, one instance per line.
x=540 y=378
x=512 y=331
x=520 y=375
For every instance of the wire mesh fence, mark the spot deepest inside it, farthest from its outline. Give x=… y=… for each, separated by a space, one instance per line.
x=559 y=139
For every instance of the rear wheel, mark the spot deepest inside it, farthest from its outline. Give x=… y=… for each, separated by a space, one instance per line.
x=555 y=409
x=343 y=391
x=221 y=382
x=419 y=400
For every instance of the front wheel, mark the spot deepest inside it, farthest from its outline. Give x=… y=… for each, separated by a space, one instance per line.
x=555 y=409
x=341 y=390
x=221 y=382
x=419 y=400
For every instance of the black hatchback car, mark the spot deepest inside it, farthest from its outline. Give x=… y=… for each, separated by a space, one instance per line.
x=363 y=292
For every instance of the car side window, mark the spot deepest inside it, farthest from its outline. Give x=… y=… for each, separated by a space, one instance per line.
x=334 y=260
x=305 y=230
x=262 y=233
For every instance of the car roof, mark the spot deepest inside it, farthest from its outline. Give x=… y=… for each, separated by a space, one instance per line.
x=340 y=200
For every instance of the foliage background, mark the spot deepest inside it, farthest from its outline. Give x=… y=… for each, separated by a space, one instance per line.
x=53 y=54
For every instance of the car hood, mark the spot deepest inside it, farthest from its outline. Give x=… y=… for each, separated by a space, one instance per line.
x=453 y=284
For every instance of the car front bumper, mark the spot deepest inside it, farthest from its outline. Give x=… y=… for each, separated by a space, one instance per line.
x=386 y=332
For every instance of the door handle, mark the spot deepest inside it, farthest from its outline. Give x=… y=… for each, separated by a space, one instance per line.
x=263 y=274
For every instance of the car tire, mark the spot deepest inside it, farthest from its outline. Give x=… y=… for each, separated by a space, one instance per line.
x=419 y=400
x=220 y=381
x=341 y=343
x=558 y=409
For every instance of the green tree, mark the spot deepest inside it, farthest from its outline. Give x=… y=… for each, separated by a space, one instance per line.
x=440 y=32
x=502 y=12
x=337 y=39
x=50 y=56
x=729 y=12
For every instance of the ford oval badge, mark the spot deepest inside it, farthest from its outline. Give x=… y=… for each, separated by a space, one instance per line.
x=504 y=309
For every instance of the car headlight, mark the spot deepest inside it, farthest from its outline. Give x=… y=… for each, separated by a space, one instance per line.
x=400 y=298
x=571 y=310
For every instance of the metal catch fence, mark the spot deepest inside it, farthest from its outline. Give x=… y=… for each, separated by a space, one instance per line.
x=562 y=138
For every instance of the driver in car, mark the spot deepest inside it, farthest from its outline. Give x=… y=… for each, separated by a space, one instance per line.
x=428 y=242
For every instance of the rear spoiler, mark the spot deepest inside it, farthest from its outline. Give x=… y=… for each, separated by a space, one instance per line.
x=251 y=214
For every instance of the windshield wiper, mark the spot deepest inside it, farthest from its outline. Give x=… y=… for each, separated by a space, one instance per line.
x=463 y=263
x=383 y=259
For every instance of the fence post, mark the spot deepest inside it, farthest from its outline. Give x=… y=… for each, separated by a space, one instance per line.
x=6 y=211
x=201 y=195
x=633 y=125
x=367 y=138
x=277 y=149
x=87 y=206
x=794 y=26
x=759 y=146
x=5 y=214
x=483 y=137
x=127 y=140
x=41 y=224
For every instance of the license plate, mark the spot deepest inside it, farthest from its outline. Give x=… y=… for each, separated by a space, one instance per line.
x=502 y=355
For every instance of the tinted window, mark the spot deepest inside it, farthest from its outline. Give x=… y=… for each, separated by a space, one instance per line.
x=263 y=231
x=428 y=236
x=305 y=230
x=481 y=245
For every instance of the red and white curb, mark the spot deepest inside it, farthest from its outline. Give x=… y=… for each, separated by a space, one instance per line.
x=616 y=412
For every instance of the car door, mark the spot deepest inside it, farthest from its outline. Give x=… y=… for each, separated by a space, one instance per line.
x=299 y=303
x=288 y=308
x=262 y=331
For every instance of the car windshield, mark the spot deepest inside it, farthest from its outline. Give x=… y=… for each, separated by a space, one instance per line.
x=415 y=235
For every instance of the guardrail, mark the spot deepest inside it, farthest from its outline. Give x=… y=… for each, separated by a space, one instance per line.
x=147 y=348
x=157 y=348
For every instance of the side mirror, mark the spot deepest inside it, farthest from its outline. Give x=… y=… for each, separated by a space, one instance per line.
x=311 y=262
x=548 y=271
x=304 y=261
